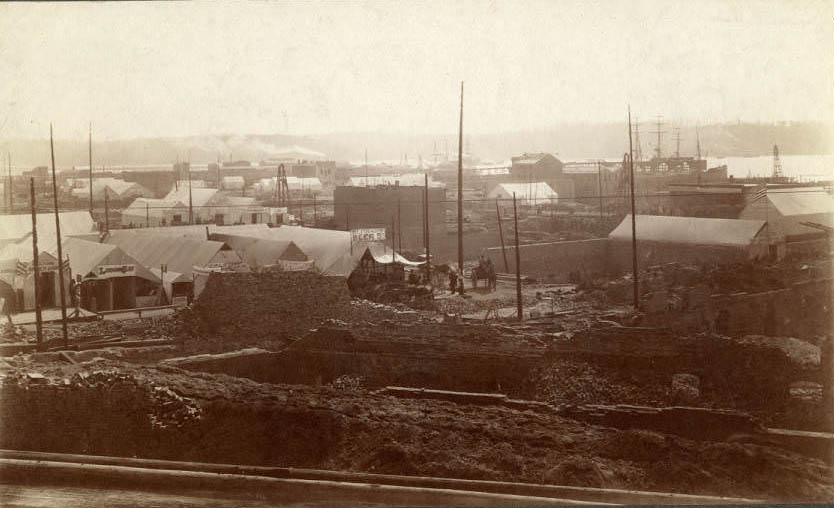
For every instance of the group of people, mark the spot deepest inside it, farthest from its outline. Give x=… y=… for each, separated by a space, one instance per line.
x=484 y=270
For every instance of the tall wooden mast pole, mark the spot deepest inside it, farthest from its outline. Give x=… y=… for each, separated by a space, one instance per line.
x=428 y=230
x=58 y=241
x=91 y=168
x=36 y=266
x=501 y=235
x=190 y=201
x=460 y=190
x=519 y=303
x=633 y=215
x=11 y=184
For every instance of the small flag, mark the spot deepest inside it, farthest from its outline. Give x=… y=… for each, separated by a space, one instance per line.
x=21 y=269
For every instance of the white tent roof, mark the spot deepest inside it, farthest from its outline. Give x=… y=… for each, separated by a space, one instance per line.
x=18 y=226
x=690 y=230
x=525 y=191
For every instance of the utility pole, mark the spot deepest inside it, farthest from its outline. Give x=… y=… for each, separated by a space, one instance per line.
x=190 y=200
x=393 y=240
x=36 y=267
x=147 y=215
x=315 y=213
x=91 y=169
x=11 y=184
x=428 y=230
x=697 y=144
x=777 y=163
x=519 y=305
x=677 y=142
x=460 y=191
x=347 y=228
x=634 y=213
x=501 y=235
x=106 y=212
x=599 y=191
x=638 y=150
x=366 y=166
x=399 y=228
x=58 y=241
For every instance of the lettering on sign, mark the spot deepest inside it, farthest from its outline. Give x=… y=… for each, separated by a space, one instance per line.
x=105 y=271
x=367 y=235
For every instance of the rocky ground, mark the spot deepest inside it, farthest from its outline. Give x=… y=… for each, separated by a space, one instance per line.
x=149 y=410
x=202 y=417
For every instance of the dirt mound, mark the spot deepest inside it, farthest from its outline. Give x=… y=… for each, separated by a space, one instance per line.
x=257 y=306
x=354 y=430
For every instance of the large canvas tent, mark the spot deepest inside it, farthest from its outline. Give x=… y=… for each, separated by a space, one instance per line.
x=16 y=227
x=662 y=238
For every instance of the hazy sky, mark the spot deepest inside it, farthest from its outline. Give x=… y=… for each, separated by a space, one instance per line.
x=168 y=69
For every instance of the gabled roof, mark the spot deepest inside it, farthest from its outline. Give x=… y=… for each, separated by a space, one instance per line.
x=690 y=230
x=801 y=201
x=258 y=252
x=180 y=254
x=404 y=180
x=526 y=191
x=199 y=197
x=84 y=256
x=17 y=226
x=194 y=231
x=152 y=207
x=531 y=158
x=329 y=250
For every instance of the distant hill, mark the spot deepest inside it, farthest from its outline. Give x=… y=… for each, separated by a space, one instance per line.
x=568 y=141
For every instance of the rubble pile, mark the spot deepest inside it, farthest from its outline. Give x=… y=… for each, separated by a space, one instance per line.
x=348 y=428
x=269 y=305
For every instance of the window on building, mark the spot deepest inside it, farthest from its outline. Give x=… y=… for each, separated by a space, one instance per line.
x=254 y=218
x=218 y=219
x=177 y=219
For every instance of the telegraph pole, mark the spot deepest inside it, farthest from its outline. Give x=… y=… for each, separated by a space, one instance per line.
x=58 y=237
x=634 y=212
x=519 y=306
x=399 y=228
x=11 y=185
x=91 y=169
x=599 y=186
x=106 y=212
x=36 y=267
x=393 y=239
x=190 y=200
x=428 y=230
x=501 y=235
x=460 y=191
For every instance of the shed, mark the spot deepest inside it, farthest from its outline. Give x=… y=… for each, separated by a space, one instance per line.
x=259 y=253
x=786 y=208
x=111 y=278
x=664 y=238
x=178 y=253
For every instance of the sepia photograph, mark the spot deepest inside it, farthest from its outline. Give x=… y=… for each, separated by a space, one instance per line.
x=397 y=253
